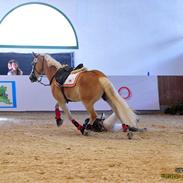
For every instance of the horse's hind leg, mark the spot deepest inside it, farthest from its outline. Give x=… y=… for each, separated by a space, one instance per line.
x=91 y=111
x=93 y=116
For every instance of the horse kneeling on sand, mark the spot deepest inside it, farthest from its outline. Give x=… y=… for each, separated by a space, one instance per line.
x=91 y=85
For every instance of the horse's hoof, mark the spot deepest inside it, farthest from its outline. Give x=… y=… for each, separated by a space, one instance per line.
x=59 y=122
x=82 y=130
x=134 y=129
x=130 y=135
x=86 y=133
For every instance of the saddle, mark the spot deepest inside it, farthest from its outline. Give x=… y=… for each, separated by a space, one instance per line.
x=63 y=73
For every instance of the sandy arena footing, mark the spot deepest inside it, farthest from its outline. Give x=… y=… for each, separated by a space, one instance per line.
x=35 y=150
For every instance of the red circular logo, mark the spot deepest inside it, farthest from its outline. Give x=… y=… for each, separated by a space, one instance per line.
x=125 y=92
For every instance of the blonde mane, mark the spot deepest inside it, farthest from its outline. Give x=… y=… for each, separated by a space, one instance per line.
x=52 y=62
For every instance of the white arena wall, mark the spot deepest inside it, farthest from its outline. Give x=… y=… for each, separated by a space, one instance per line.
x=141 y=93
x=120 y=37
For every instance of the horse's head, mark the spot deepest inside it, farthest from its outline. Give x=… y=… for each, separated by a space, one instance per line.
x=37 y=67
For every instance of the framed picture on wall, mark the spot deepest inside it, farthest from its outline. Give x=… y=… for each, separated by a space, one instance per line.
x=7 y=94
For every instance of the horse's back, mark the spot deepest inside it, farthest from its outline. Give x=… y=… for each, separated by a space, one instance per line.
x=91 y=76
x=98 y=73
x=92 y=73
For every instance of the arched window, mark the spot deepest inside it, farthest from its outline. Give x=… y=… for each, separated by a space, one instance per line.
x=37 y=25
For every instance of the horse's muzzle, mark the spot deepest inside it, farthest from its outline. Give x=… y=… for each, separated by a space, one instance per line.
x=33 y=78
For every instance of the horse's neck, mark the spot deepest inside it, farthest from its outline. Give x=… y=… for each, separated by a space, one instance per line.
x=50 y=72
x=52 y=67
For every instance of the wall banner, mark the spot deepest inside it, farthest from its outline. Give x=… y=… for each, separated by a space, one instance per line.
x=7 y=94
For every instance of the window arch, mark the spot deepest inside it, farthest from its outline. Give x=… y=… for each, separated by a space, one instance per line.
x=37 y=25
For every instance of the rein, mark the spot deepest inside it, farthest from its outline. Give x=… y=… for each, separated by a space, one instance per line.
x=51 y=80
x=40 y=81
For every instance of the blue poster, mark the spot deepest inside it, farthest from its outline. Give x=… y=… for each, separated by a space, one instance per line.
x=7 y=94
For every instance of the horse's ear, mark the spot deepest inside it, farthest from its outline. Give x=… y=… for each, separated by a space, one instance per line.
x=35 y=54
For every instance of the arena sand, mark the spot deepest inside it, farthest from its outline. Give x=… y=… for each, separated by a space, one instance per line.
x=33 y=149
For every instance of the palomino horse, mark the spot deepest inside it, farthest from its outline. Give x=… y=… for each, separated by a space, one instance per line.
x=89 y=88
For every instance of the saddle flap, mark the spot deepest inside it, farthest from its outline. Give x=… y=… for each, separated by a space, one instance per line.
x=62 y=74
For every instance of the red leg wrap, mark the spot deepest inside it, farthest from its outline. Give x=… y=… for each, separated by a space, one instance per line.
x=76 y=124
x=125 y=127
x=57 y=113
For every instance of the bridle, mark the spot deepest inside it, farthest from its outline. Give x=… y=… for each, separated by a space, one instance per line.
x=33 y=76
x=38 y=79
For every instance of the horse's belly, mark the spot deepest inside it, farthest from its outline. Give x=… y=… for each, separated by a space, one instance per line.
x=72 y=94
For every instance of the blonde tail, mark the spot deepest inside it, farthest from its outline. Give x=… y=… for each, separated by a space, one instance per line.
x=118 y=104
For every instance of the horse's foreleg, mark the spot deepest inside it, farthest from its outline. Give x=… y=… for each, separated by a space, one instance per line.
x=69 y=116
x=66 y=111
x=58 y=114
x=58 y=118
